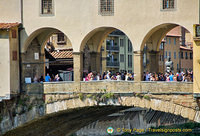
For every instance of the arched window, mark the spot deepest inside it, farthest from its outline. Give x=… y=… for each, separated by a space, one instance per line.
x=168 y=4
x=106 y=7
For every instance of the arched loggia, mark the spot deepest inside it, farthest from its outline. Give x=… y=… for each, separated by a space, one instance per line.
x=91 y=47
x=153 y=53
x=36 y=58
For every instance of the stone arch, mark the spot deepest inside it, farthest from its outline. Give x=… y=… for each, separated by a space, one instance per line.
x=152 y=40
x=68 y=109
x=34 y=45
x=163 y=28
x=45 y=32
x=94 y=39
x=106 y=30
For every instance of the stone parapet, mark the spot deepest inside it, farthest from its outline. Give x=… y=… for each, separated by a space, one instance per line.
x=119 y=87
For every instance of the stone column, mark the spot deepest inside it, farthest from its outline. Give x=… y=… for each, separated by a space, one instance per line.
x=138 y=65
x=103 y=64
x=78 y=66
x=32 y=62
x=98 y=62
x=95 y=61
x=153 y=61
x=196 y=68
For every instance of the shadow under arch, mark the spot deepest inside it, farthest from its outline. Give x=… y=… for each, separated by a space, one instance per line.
x=64 y=122
x=42 y=34
x=161 y=30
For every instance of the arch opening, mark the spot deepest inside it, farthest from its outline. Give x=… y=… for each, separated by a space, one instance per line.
x=47 y=57
x=168 y=54
x=107 y=53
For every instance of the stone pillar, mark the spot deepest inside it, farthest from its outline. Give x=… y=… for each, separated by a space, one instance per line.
x=138 y=65
x=98 y=62
x=95 y=61
x=153 y=61
x=103 y=64
x=196 y=67
x=32 y=62
x=78 y=66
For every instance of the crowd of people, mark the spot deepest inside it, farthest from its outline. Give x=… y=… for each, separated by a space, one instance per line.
x=108 y=76
x=179 y=76
x=47 y=78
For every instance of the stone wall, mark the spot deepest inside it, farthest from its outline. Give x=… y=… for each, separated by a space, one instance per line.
x=19 y=110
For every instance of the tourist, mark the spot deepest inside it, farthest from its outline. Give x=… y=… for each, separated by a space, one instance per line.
x=47 y=78
x=35 y=80
x=171 y=77
x=41 y=79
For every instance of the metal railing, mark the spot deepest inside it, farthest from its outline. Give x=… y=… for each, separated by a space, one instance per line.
x=112 y=48
x=113 y=64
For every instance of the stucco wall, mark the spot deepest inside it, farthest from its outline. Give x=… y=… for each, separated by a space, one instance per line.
x=78 y=18
x=10 y=11
x=4 y=64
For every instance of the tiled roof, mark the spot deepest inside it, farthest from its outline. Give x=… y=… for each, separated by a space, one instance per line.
x=175 y=32
x=62 y=54
x=185 y=48
x=8 y=25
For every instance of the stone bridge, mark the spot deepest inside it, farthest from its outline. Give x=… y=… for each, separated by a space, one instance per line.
x=173 y=97
x=72 y=98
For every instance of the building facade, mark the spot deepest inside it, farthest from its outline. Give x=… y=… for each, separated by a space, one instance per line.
x=117 y=53
x=177 y=45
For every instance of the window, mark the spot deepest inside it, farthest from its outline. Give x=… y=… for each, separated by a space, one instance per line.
x=162 y=46
x=174 y=55
x=169 y=41
x=129 y=60
x=186 y=56
x=191 y=55
x=170 y=54
x=121 y=42
x=14 y=34
x=181 y=55
x=61 y=38
x=129 y=46
x=106 y=7
x=168 y=4
x=121 y=58
x=177 y=67
x=47 y=7
x=129 y=71
x=174 y=41
x=166 y=40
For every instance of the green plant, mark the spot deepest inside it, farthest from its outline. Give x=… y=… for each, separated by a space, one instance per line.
x=89 y=96
x=109 y=95
x=138 y=95
x=104 y=90
x=81 y=96
x=94 y=97
x=30 y=107
x=147 y=97
x=50 y=100
x=22 y=102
